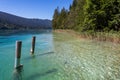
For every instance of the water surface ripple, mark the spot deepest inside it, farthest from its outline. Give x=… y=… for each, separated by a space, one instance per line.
x=59 y=56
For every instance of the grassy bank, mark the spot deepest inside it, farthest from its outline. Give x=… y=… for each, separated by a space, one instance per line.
x=99 y=36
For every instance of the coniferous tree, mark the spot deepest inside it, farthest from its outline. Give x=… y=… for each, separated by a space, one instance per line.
x=114 y=21
x=55 y=18
x=89 y=15
x=71 y=19
x=102 y=15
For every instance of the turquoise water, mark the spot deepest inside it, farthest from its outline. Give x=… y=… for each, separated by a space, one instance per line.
x=34 y=67
x=59 y=56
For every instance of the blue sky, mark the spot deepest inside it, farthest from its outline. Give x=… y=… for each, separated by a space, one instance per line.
x=42 y=9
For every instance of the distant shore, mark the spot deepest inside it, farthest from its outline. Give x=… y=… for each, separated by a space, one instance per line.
x=99 y=36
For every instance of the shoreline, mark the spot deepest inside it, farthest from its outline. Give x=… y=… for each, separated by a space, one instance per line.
x=98 y=36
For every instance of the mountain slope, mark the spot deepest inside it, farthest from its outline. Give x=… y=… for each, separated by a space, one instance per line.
x=9 y=21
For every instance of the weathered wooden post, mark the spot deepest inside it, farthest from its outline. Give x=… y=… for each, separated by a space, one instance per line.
x=33 y=45
x=18 y=54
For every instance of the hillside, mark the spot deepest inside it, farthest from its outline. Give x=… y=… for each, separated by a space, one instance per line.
x=10 y=21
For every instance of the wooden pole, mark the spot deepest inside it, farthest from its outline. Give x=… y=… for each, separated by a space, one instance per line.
x=33 y=45
x=18 y=54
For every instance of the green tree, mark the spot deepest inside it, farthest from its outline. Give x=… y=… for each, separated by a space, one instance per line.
x=55 y=18
x=114 y=20
x=89 y=15
x=71 y=19
x=62 y=18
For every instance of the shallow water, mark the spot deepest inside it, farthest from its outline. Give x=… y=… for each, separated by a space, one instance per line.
x=59 y=56
x=82 y=59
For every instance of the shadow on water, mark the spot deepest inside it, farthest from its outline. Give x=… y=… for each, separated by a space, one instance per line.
x=37 y=55
x=45 y=54
x=17 y=74
x=36 y=75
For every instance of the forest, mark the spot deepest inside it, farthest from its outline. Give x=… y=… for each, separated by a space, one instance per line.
x=89 y=16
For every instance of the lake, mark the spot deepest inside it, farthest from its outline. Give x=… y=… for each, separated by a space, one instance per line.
x=58 y=56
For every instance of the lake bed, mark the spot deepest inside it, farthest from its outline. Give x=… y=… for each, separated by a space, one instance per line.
x=59 y=56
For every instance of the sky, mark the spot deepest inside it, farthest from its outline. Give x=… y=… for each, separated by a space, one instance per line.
x=42 y=9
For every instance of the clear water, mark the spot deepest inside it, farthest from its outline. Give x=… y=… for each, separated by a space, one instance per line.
x=34 y=67
x=59 y=56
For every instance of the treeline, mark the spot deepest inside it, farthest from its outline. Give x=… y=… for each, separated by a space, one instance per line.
x=89 y=15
